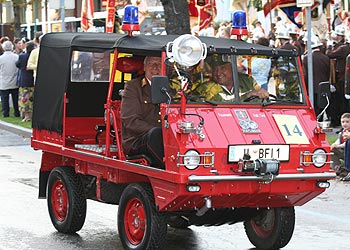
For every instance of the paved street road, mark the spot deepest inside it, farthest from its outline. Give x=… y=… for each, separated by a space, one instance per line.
x=322 y=224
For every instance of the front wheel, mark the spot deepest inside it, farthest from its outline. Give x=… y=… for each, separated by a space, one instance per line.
x=66 y=200
x=271 y=228
x=140 y=225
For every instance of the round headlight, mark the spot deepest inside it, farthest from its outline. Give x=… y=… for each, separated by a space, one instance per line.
x=319 y=158
x=191 y=159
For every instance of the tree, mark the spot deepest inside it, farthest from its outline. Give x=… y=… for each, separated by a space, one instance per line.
x=177 y=19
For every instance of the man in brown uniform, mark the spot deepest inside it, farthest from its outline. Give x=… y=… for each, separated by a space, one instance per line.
x=339 y=52
x=142 y=132
x=320 y=65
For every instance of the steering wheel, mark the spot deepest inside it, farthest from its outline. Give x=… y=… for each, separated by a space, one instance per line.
x=253 y=97
x=273 y=96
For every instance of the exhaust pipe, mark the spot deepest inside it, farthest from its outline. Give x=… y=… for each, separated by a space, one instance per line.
x=205 y=208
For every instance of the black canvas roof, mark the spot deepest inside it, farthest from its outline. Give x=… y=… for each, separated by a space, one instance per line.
x=53 y=73
x=145 y=45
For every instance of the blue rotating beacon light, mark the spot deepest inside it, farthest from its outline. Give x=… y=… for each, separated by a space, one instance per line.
x=131 y=19
x=239 y=24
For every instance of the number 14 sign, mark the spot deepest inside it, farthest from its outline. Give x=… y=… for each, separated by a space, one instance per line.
x=291 y=129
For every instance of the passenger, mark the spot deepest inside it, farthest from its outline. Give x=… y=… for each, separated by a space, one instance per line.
x=222 y=89
x=142 y=133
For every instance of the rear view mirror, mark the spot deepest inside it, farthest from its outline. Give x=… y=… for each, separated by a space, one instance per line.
x=159 y=89
x=324 y=94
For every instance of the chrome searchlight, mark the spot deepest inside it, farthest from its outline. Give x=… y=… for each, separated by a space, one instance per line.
x=186 y=50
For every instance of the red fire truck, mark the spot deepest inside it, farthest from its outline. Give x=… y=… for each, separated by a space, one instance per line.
x=229 y=160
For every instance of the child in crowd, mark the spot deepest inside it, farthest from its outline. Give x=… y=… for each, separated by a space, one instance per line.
x=338 y=147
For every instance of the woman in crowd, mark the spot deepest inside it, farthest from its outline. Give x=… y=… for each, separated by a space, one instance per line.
x=26 y=83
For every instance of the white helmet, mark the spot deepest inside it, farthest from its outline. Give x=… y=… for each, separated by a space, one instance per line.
x=257 y=35
x=293 y=29
x=339 y=30
x=347 y=37
x=315 y=40
x=282 y=33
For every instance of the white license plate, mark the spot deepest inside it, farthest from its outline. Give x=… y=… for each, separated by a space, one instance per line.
x=278 y=152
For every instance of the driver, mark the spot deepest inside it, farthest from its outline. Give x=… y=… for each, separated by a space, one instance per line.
x=222 y=89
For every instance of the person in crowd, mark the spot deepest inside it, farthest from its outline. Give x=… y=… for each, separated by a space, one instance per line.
x=8 y=79
x=338 y=146
x=284 y=39
x=346 y=168
x=272 y=36
x=32 y=63
x=221 y=89
x=320 y=65
x=293 y=33
x=261 y=66
x=142 y=132
x=25 y=81
x=4 y=39
x=258 y=27
x=37 y=38
x=224 y=32
x=279 y=22
x=338 y=54
x=18 y=43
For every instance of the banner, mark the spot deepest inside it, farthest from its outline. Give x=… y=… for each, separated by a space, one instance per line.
x=87 y=15
x=270 y=5
x=294 y=14
x=207 y=14
x=110 y=18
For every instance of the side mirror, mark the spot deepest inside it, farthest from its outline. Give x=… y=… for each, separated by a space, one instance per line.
x=159 y=89
x=324 y=91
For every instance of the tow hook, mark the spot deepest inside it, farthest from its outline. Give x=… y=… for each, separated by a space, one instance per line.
x=205 y=208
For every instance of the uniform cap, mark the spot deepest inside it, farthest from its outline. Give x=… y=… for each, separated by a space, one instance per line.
x=339 y=30
x=282 y=33
x=218 y=60
x=293 y=29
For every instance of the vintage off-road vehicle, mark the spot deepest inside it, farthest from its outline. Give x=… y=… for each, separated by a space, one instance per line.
x=228 y=159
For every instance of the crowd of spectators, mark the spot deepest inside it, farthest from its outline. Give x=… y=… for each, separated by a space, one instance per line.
x=17 y=75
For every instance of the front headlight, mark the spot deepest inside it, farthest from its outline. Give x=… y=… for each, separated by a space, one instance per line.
x=319 y=158
x=191 y=159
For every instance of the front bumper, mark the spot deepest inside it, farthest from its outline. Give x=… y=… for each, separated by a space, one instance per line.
x=218 y=178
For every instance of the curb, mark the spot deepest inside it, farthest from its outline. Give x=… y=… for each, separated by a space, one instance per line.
x=25 y=132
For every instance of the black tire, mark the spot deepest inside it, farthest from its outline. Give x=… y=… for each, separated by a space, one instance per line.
x=66 y=200
x=140 y=225
x=178 y=222
x=272 y=228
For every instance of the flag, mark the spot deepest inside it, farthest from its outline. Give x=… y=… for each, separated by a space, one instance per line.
x=293 y=13
x=110 y=18
x=207 y=13
x=87 y=14
x=270 y=5
x=192 y=8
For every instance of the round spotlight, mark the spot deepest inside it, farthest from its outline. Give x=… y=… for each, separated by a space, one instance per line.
x=187 y=50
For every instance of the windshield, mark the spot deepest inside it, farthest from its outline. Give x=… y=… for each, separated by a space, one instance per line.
x=224 y=78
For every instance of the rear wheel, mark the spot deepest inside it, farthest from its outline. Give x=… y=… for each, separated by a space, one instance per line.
x=140 y=225
x=65 y=199
x=272 y=228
